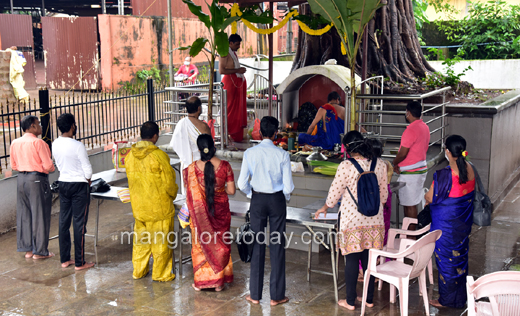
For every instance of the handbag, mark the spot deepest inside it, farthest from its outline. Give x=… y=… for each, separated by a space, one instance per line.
x=99 y=186
x=245 y=240
x=425 y=217
x=482 y=207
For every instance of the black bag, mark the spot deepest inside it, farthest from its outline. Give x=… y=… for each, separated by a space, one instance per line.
x=425 y=217
x=245 y=240
x=55 y=187
x=368 y=201
x=482 y=207
x=99 y=186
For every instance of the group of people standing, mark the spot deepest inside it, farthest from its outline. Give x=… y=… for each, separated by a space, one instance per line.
x=31 y=157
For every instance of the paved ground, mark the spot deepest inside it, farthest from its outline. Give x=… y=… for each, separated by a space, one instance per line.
x=31 y=287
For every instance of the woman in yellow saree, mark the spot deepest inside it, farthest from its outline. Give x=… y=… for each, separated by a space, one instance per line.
x=208 y=183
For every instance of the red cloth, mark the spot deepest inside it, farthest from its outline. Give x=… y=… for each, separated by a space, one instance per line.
x=236 y=106
x=328 y=106
x=217 y=251
x=459 y=190
x=183 y=70
x=30 y=153
x=416 y=137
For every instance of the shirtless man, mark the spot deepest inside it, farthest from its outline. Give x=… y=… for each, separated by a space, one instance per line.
x=184 y=139
x=235 y=84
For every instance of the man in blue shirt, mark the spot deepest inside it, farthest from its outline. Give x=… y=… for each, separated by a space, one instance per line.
x=266 y=178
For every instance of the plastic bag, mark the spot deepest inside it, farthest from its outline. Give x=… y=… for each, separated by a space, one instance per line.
x=184 y=216
x=256 y=130
x=119 y=152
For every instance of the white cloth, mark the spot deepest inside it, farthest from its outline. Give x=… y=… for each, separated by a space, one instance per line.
x=411 y=194
x=236 y=62
x=16 y=74
x=72 y=160
x=184 y=142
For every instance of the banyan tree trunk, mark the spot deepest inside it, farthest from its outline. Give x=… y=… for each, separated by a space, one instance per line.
x=393 y=46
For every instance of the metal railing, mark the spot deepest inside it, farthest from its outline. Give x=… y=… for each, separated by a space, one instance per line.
x=364 y=111
x=177 y=111
x=101 y=117
x=263 y=89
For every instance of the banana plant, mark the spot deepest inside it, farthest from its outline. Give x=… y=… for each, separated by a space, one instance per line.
x=217 y=39
x=350 y=18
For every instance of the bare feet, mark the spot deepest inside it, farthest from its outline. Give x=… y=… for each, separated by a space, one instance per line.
x=248 y=298
x=86 y=265
x=50 y=255
x=360 y=277
x=67 y=263
x=360 y=299
x=343 y=303
x=28 y=255
x=278 y=302
x=436 y=303
x=194 y=287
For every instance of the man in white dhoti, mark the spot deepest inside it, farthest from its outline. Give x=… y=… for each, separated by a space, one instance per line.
x=411 y=160
x=184 y=139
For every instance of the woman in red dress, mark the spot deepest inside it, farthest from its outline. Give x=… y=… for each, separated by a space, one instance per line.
x=208 y=183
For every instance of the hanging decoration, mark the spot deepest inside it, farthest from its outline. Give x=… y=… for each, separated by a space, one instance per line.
x=235 y=11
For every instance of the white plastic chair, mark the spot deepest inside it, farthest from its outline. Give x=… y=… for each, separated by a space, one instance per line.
x=393 y=243
x=503 y=290
x=398 y=273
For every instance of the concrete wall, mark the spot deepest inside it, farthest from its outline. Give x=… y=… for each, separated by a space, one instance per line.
x=129 y=44
x=6 y=89
x=487 y=74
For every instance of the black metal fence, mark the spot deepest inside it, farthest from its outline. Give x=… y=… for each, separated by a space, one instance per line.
x=101 y=117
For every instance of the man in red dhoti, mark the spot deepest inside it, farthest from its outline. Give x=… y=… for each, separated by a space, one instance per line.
x=235 y=84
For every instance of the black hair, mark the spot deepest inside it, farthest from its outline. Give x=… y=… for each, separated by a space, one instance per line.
x=333 y=96
x=149 y=130
x=233 y=38
x=456 y=144
x=192 y=104
x=207 y=151
x=357 y=144
x=268 y=126
x=65 y=122
x=377 y=147
x=27 y=121
x=415 y=108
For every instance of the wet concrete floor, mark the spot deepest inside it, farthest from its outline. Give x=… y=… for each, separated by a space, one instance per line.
x=40 y=287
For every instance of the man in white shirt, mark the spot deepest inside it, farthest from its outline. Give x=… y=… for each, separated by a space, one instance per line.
x=74 y=185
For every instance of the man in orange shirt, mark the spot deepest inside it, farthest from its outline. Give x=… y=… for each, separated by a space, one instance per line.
x=31 y=157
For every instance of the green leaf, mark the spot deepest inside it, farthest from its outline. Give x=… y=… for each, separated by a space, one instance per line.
x=197 y=10
x=263 y=18
x=197 y=46
x=182 y=48
x=228 y=22
x=216 y=15
x=222 y=43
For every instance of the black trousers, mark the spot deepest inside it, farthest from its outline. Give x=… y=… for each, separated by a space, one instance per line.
x=272 y=207
x=351 y=275
x=33 y=213
x=74 y=204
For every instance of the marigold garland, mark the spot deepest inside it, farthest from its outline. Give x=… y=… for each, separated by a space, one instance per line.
x=235 y=11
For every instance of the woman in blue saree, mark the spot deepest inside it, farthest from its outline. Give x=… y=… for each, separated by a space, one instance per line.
x=451 y=204
x=327 y=126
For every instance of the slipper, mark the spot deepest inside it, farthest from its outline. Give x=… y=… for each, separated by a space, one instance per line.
x=219 y=288
x=37 y=257
x=86 y=265
x=195 y=288
x=278 y=302
x=28 y=255
x=436 y=303
x=248 y=298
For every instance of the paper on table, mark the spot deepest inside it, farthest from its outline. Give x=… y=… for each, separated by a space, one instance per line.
x=330 y=216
